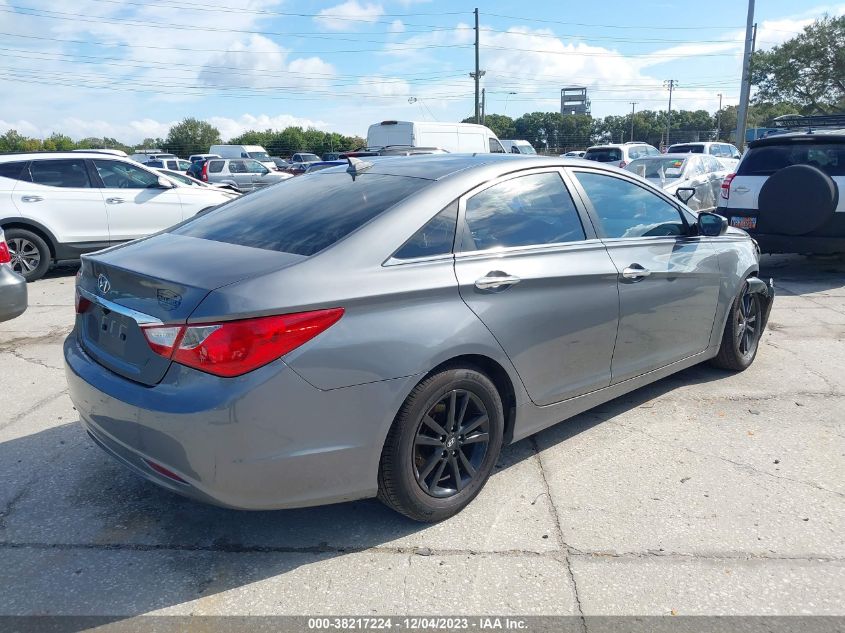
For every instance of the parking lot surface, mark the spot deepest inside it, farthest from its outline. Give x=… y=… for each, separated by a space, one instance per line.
x=705 y=493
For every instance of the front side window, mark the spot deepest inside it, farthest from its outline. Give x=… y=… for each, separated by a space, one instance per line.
x=436 y=237
x=64 y=172
x=523 y=211
x=118 y=175
x=254 y=167
x=626 y=210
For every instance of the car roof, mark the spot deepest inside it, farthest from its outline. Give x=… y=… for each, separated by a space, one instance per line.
x=675 y=155
x=72 y=154
x=798 y=137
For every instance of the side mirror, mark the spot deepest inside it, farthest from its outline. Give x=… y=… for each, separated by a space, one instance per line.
x=164 y=183
x=712 y=225
x=685 y=194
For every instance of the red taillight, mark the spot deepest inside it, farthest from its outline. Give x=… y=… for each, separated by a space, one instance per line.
x=204 y=172
x=233 y=348
x=81 y=303
x=5 y=255
x=726 y=186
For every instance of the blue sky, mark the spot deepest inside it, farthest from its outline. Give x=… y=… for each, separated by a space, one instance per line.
x=131 y=68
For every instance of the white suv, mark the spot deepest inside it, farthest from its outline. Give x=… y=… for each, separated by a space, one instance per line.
x=56 y=206
x=620 y=154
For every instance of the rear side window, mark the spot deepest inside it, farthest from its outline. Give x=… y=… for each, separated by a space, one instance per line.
x=15 y=170
x=436 y=237
x=524 y=211
x=604 y=154
x=764 y=161
x=303 y=215
x=215 y=166
x=66 y=172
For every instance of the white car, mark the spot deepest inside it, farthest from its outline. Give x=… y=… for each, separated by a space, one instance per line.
x=56 y=206
x=518 y=147
x=725 y=153
x=183 y=180
x=620 y=154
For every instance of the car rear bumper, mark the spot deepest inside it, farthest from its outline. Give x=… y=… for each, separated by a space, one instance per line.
x=265 y=440
x=13 y=293
x=825 y=240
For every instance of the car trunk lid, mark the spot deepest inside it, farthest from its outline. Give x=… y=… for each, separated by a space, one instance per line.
x=159 y=280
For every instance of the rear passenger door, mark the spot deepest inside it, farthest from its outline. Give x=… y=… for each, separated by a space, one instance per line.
x=530 y=267
x=668 y=278
x=136 y=206
x=59 y=194
x=241 y=175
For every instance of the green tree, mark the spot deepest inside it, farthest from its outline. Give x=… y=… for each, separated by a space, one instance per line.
x=191 y=136
x=501 y=124
x=808 y=70
x=58 y=143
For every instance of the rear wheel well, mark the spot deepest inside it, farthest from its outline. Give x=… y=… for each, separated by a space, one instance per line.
x=500 y=378
x=34 y=229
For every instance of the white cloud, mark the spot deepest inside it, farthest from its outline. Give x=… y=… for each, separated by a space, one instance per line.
x=230 y=127
x=385 y=86
x=397 y=26
x=349 y=16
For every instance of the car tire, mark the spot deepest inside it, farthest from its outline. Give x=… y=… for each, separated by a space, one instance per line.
x=31 y=256
x=742 y=333
x=796 y=200
x=429 y=471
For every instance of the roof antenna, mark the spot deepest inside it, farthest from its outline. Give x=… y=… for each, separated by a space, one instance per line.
x=357 y=166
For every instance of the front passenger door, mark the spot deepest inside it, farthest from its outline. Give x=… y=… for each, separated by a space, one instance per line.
x=136 y=206
x=668 y=278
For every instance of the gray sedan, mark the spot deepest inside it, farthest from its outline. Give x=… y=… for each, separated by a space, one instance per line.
x=383 y=329
x=699 y=172
x=13 y=294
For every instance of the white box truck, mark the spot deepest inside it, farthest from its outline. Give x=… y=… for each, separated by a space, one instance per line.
x=453 y=137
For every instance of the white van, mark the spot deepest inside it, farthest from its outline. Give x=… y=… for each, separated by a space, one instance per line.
x=453 y=137
x=518 y=147
x=244 y=151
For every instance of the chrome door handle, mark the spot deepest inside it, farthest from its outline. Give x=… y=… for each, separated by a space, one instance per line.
x=31 y=199
x=741 y=189
x=635 y=271
x=115 y=200
x=493 y=281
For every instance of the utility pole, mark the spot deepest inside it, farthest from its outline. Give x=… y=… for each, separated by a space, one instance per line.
x=671 y=84
x=745 y=91
x=633 y=104
x=477 y=74
x=483 y=103
x=719 y=119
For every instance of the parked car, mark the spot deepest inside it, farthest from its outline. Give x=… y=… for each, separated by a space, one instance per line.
x=145 y=155
x=175 y=164
x=452 y=137
x=701 y=172
x=55 y=206
x=394 y=150
x=13 y=295
x=574 y=154
x=329 y=156
x=189 y=181
x=197 y=157
x=726 y=153
x=280 y=162
x=384 y=329
x=325 y=164
x=518 y=147
x=620 y=154
x=256 y=152
x=304 y=157
x=244 y=173
x=788 y=192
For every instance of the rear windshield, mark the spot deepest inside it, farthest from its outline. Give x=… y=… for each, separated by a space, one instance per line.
x=604 y=154
x=663 y=168
x=764 y=161
x=687 y=149
x=303 y=215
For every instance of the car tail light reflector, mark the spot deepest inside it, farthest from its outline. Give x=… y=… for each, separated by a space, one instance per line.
x=233 y=348
x=161 y=470
x=5 y=255
x=726 y=186
x=81 y=304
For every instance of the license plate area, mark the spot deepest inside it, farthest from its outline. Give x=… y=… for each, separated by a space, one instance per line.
x=744 y=222
x=109 y=330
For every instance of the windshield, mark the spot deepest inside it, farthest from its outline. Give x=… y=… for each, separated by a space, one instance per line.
x=664 y=168
x=604 y=154
x=303 y=215
x=309 y=158
x=688 y=148
x=259 y=155
x=526 y=149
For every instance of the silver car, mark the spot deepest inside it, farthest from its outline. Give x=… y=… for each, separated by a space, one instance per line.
x=383 y=329
x=701 y=173
x=246 y=174
x=13 y=293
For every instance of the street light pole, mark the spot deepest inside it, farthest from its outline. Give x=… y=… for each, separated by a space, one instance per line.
x=745 y=91
x=477 y=76
x=670 y=84
x=633 y=104
x=719 y=119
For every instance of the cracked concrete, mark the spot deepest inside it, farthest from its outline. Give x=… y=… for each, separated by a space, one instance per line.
x=706 y=493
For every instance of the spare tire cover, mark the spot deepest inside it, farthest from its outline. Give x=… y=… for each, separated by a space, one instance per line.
x=796 y=200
